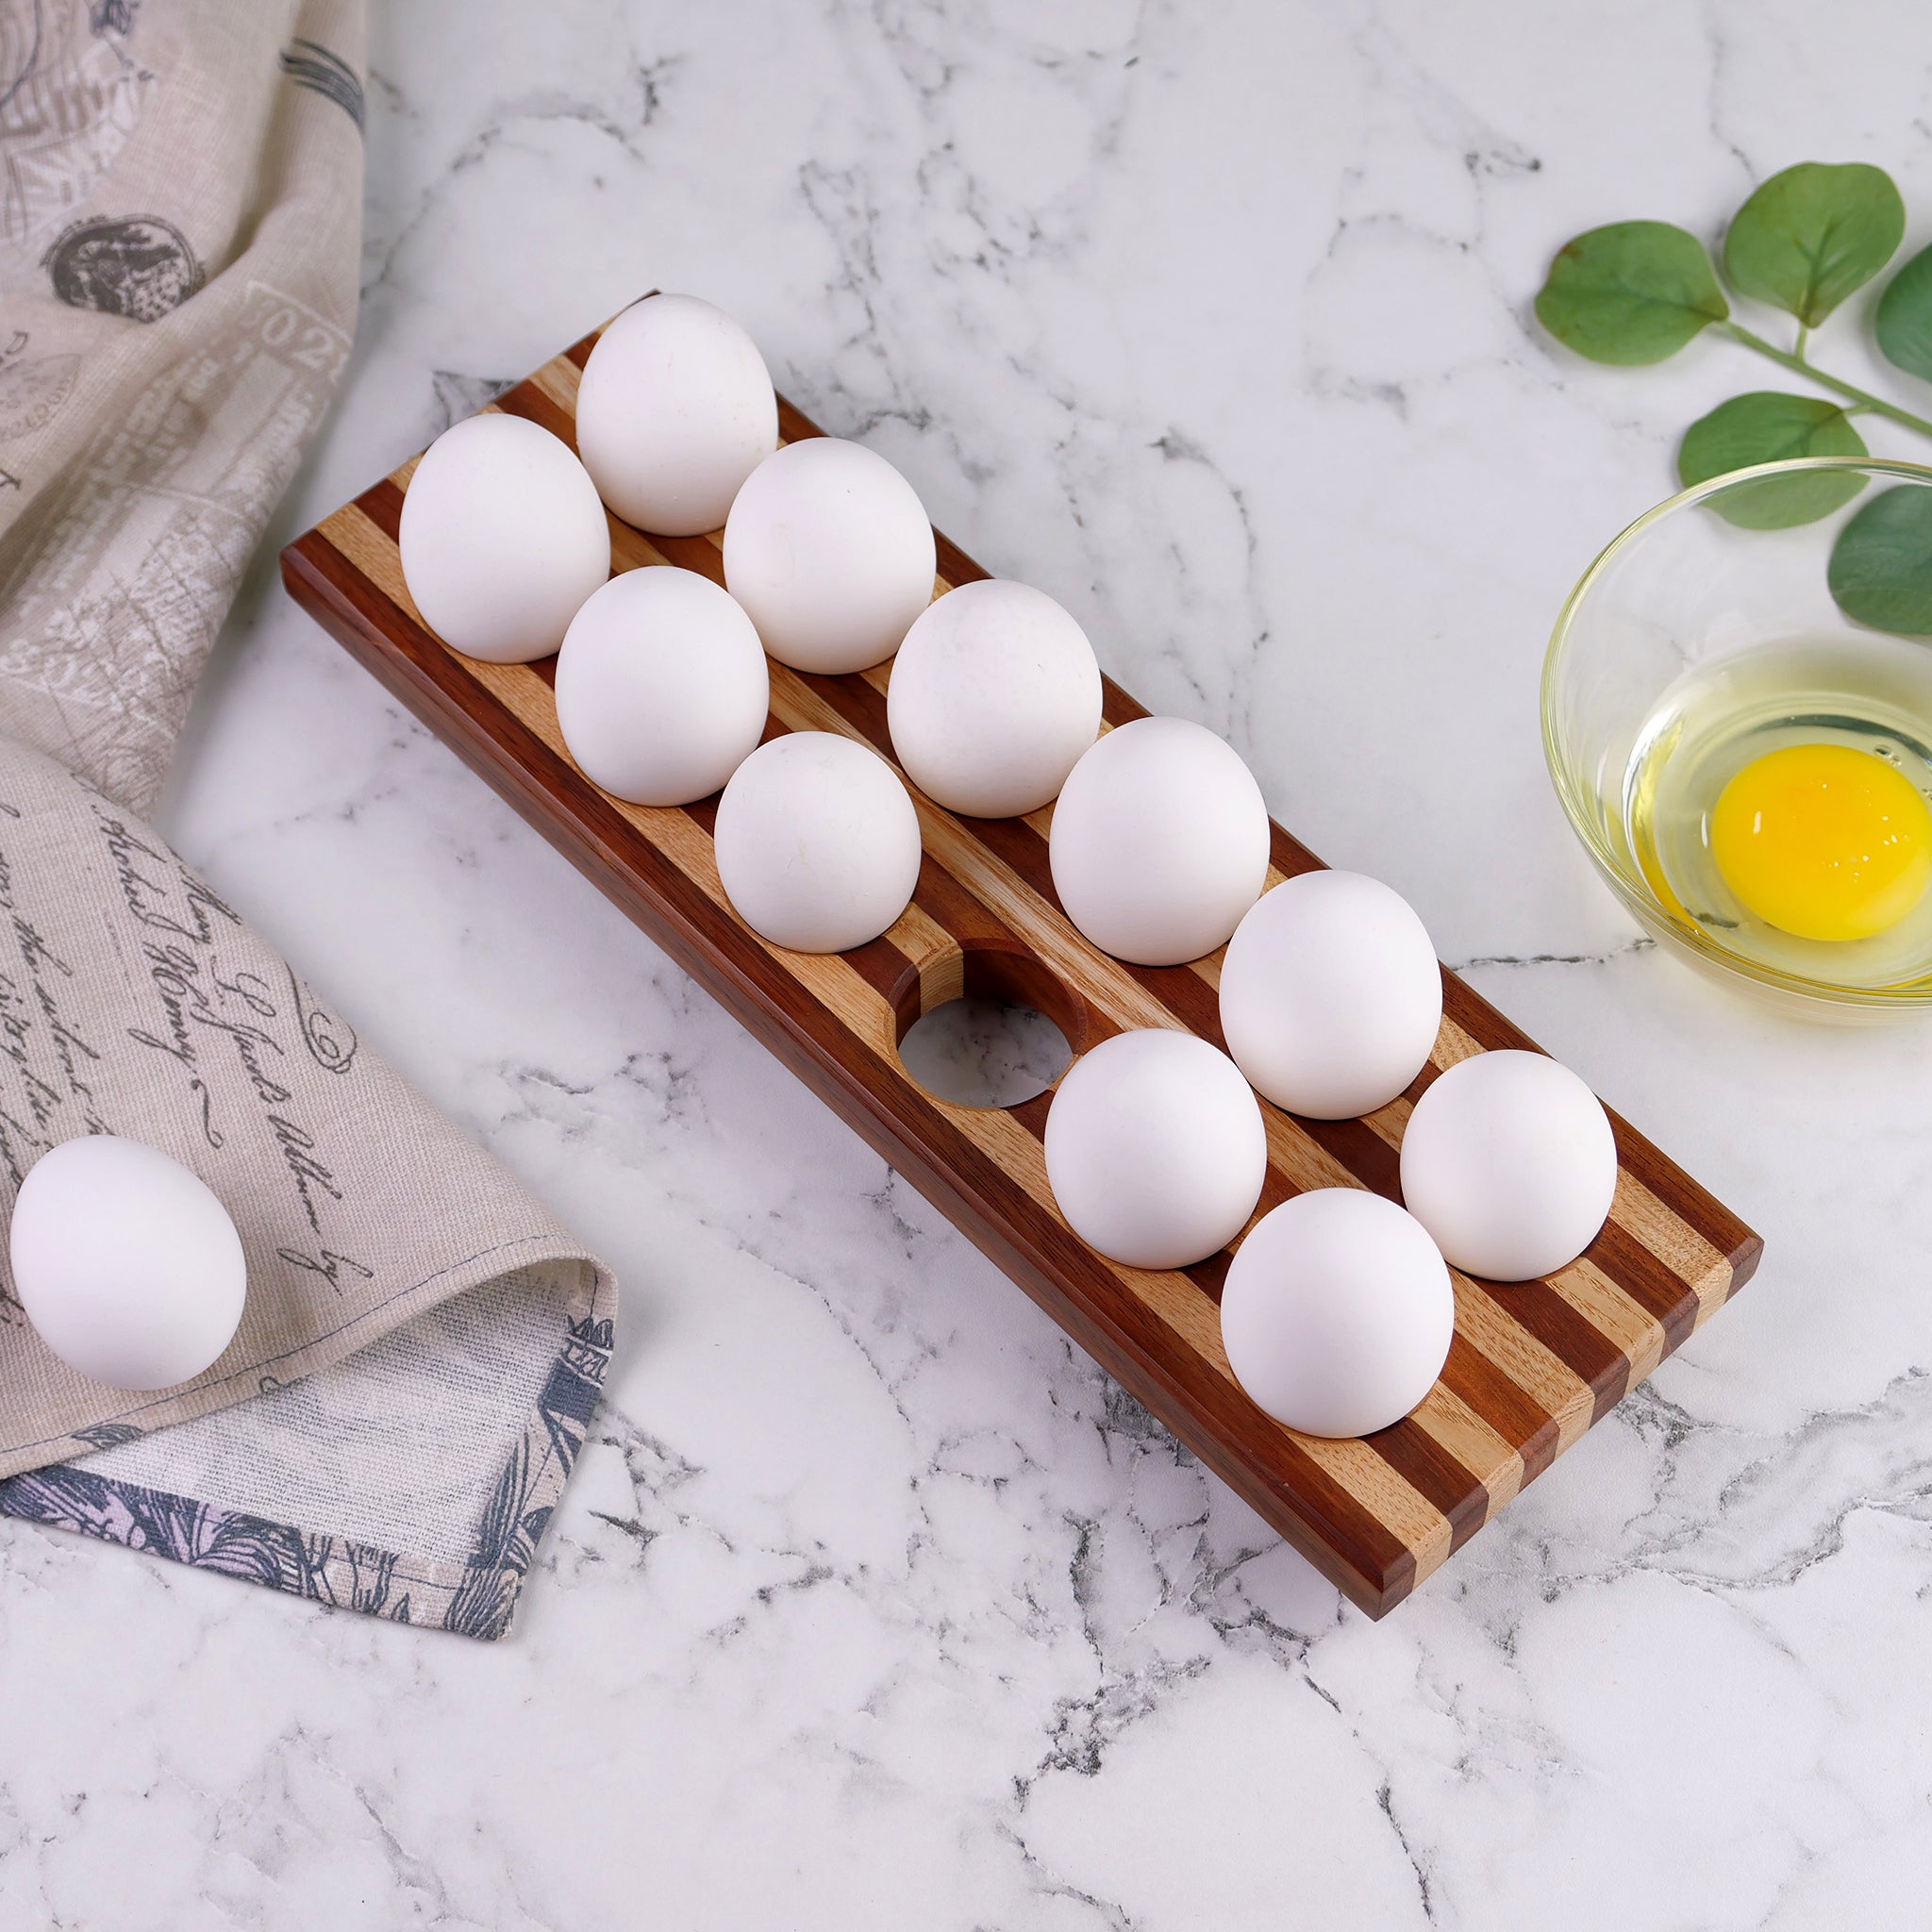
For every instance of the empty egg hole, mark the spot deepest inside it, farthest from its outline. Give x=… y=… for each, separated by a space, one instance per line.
x=987 y=1027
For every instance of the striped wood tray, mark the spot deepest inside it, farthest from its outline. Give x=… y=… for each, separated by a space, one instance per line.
x=1532 y=1366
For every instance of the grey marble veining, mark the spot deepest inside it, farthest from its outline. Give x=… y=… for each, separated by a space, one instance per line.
x=873 y=1603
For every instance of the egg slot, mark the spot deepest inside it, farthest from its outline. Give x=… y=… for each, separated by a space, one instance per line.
x=986 y=1026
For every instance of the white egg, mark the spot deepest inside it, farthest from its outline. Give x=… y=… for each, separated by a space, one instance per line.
x=1330 y=994
x=1155 y=1149
x=127 y=1264
x=1160 y=842
x=1510 y=1162
x=817 y=842
x=674 y=411
x=661 y=687
x=829 y=549
x=503 y=536
x=1337 y=1313
x=995 y=693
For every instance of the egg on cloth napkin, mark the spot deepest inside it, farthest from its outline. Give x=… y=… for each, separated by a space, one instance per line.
x=127 y=1264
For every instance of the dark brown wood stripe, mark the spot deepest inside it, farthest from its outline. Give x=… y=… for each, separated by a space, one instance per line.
x=1692 y=1204
x=880 y=964
x=1428 y=1468
x=794 y=426
x=382 y=504
x=529 y=402
x=1508 y=1408
x=861 y=706
x=1210 y=1277
x=1023 y=852
x=1361 y=1150
x=1118 y=706
x=1289 y=857
x=1537 y=1308
x=1187 y=996
x=698 y=553
x=1647 y=1280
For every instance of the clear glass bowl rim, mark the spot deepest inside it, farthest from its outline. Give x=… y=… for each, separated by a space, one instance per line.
x=1635 y=894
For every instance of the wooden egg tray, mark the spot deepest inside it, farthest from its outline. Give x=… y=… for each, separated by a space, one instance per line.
x=1532 y=1365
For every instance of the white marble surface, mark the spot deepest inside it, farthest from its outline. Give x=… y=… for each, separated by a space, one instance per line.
x=873 y=1604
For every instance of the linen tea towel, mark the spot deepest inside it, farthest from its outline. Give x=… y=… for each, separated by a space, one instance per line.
x=179 y=225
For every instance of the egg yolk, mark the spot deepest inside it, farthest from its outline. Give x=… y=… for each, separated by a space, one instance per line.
x=1824 y=841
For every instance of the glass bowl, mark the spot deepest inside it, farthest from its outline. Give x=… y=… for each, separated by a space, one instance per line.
x=1688 y=611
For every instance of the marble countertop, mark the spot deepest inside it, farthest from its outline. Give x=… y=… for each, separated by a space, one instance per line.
x=873 y=1602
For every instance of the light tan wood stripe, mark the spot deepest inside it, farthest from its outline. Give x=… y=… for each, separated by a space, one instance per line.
x=631 y=549
x=558 y=380
x=941 y=981
x=936 y=952
x=921 y=936
x=1456 y=1428
x=1613 y=1314
x=1385 y=1495
x=1678 y=1246
x=1452 y=1045
x=1544 y=1377
x=365 y=545
x=1386 y=1122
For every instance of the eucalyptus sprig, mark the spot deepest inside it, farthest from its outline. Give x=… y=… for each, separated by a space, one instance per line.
x=1637 y=293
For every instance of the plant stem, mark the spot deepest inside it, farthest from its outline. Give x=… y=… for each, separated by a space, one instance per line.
x=1864 y=398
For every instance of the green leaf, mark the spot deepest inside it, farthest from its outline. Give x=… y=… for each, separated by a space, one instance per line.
x=1768 y=427
x=1811 y=235
x=1633 y=293
x=1904 y=317
x=1881 y=565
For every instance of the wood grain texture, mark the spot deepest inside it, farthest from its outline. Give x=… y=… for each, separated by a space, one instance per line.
x=1532 y=1365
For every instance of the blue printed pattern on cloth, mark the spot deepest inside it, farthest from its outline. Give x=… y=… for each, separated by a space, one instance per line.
x=476 y=1598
